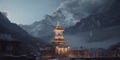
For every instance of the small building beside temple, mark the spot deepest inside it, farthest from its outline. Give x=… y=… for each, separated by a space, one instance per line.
x=8 y=45
x=10 y=48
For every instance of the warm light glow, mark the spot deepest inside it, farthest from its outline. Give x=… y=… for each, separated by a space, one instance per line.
x=62 y=50
x=59 y=37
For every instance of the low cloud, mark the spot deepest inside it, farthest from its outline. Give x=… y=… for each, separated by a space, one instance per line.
x=85 y=7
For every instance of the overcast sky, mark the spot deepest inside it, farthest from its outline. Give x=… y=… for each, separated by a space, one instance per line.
x=28 y=11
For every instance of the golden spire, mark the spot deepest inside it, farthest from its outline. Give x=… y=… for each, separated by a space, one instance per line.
x=58 y=27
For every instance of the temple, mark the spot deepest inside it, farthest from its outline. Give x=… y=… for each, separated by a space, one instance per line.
x=59 y=43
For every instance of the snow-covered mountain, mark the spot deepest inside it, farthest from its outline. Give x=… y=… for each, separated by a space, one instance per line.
x=97 y=30
x=91 y=23
x=68 y=13
x=110 y=18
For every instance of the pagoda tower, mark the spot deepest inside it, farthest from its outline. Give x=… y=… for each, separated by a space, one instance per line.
x=59 y=42
x=59 y=38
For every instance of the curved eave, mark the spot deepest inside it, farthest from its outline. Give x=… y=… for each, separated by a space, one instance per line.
x=59 y=41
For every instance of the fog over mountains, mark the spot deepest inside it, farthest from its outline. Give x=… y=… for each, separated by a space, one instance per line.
x=88 y=23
